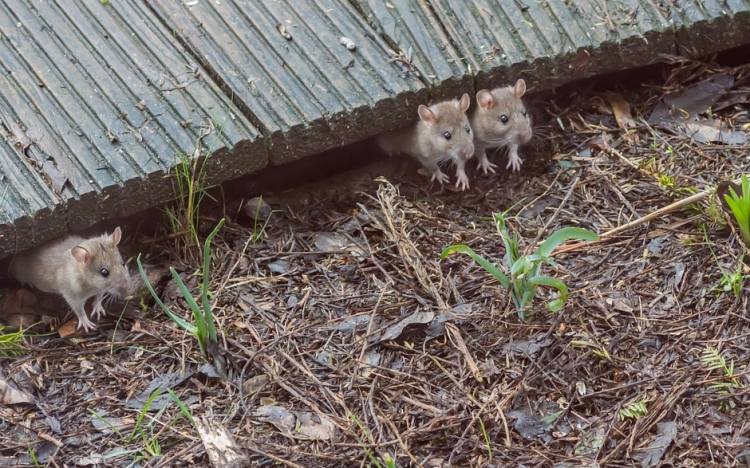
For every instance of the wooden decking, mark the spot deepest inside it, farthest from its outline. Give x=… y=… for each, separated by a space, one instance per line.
x=99 y=100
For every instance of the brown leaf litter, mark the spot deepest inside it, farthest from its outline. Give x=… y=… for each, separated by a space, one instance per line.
x=347 y=340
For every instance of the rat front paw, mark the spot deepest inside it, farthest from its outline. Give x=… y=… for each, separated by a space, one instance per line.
x=462 y=182
x=85 y=323
x=486 y=166
x=98 y=310
x=440 y=176
x=515 y=162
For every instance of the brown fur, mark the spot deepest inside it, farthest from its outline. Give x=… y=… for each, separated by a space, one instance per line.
x=72 y=267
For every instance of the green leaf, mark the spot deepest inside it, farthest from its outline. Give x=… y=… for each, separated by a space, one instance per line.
x=561 y=236
x=177 y=319
x=492 y=269
x=552 y=283
x=199 y=330
x=206 y=274
x=520 y=267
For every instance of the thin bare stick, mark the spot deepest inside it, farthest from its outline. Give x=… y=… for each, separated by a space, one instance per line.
x=662 y=211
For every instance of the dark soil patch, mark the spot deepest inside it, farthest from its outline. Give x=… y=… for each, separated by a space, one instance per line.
x=311 y=320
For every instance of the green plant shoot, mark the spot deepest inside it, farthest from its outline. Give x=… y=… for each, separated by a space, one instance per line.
x=740 y=206
x=524 y=270
x=204 y=328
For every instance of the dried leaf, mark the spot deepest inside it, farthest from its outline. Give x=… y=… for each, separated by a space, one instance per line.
x=255 y=384
x=582 y=59
x=712 y=131
x=692 y=101
x=304 y=426
x=651 y=455
x=9 y=395
x=20 y=301
x=527 y=347
x=411 y=324
x=282 y=30
x=621 y=108
x=55 y=177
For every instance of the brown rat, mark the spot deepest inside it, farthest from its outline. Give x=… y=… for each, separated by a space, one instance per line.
x=442 y=134
x=77 y=269
x=500 y=120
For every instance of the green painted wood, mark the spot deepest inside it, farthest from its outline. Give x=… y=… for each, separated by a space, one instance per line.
x=283 y=63
x=110 y=98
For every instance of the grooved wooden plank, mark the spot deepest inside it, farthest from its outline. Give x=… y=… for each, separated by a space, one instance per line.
x=282 y=62
x=417 y=37
x=545 y=41
x=107 y=94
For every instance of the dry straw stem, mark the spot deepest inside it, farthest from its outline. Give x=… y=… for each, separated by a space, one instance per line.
x=649 y=217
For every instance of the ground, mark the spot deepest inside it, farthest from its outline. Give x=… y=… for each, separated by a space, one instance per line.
x=346 y=341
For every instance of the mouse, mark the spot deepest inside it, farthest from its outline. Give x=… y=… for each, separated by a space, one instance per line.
x=442 y=134
x=77 y=269
x=500 y=120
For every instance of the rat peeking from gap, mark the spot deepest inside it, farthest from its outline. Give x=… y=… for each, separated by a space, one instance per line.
x=442 y=134
x=77 y=269
x=500 y=120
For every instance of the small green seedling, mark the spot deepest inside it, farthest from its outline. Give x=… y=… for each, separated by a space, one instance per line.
x=11 y=344
x=524 y=270
x=740 y=206
x=713 y=360
x=204 y=329
x=634 y=410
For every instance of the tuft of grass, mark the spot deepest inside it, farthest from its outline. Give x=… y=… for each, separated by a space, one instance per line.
x=204 y=329
x=634 y=410
x=524 y=278
x=729 y=281
x=740 y=207
x=11 y=344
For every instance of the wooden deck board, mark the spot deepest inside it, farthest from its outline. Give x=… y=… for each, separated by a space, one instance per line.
x=107 y=97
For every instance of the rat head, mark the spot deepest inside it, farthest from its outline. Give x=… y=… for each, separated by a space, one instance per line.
x=448 y=129
x=102 y=266
x=501 y=118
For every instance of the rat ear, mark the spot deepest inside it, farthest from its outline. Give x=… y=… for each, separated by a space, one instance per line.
x=485 y=99
x=519 y=88
x=464 y=103
x=81 y=254
x=426 y=114
x=116 y=236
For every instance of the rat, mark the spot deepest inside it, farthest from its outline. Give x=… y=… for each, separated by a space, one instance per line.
x=500 y=120
x=77 y=269
x=443 y=133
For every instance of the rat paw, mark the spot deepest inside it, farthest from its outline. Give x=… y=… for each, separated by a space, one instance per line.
x=98 y=310
x=440 y=176
x=85 y=323
x=486 y=166
x=462 y=182
x=515 y=162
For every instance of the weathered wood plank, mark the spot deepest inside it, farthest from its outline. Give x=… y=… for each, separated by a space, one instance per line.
x=283 y=63
x=105 y=92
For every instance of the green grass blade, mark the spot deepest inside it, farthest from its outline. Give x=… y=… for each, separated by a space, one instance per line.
x=177 y=319
x=197 y=315
x=204 y=290
x=561 y=236
x=492 y=269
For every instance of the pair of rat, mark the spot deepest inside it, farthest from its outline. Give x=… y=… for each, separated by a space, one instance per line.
x=77 y=269
x=445 y=132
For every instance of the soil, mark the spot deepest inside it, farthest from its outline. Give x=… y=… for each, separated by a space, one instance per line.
x=344 y=339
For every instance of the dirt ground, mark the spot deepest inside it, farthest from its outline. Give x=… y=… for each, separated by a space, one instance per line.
x=346 y=341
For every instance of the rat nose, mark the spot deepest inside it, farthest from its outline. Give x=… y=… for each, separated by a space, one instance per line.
x=525 y=136
x=467 y=153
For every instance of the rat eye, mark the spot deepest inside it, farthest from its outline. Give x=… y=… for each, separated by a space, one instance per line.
x=447 y=135
x=504 y=118
x=523 y=112
x=468 y=129
x=104 y=272
x=122 y=262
